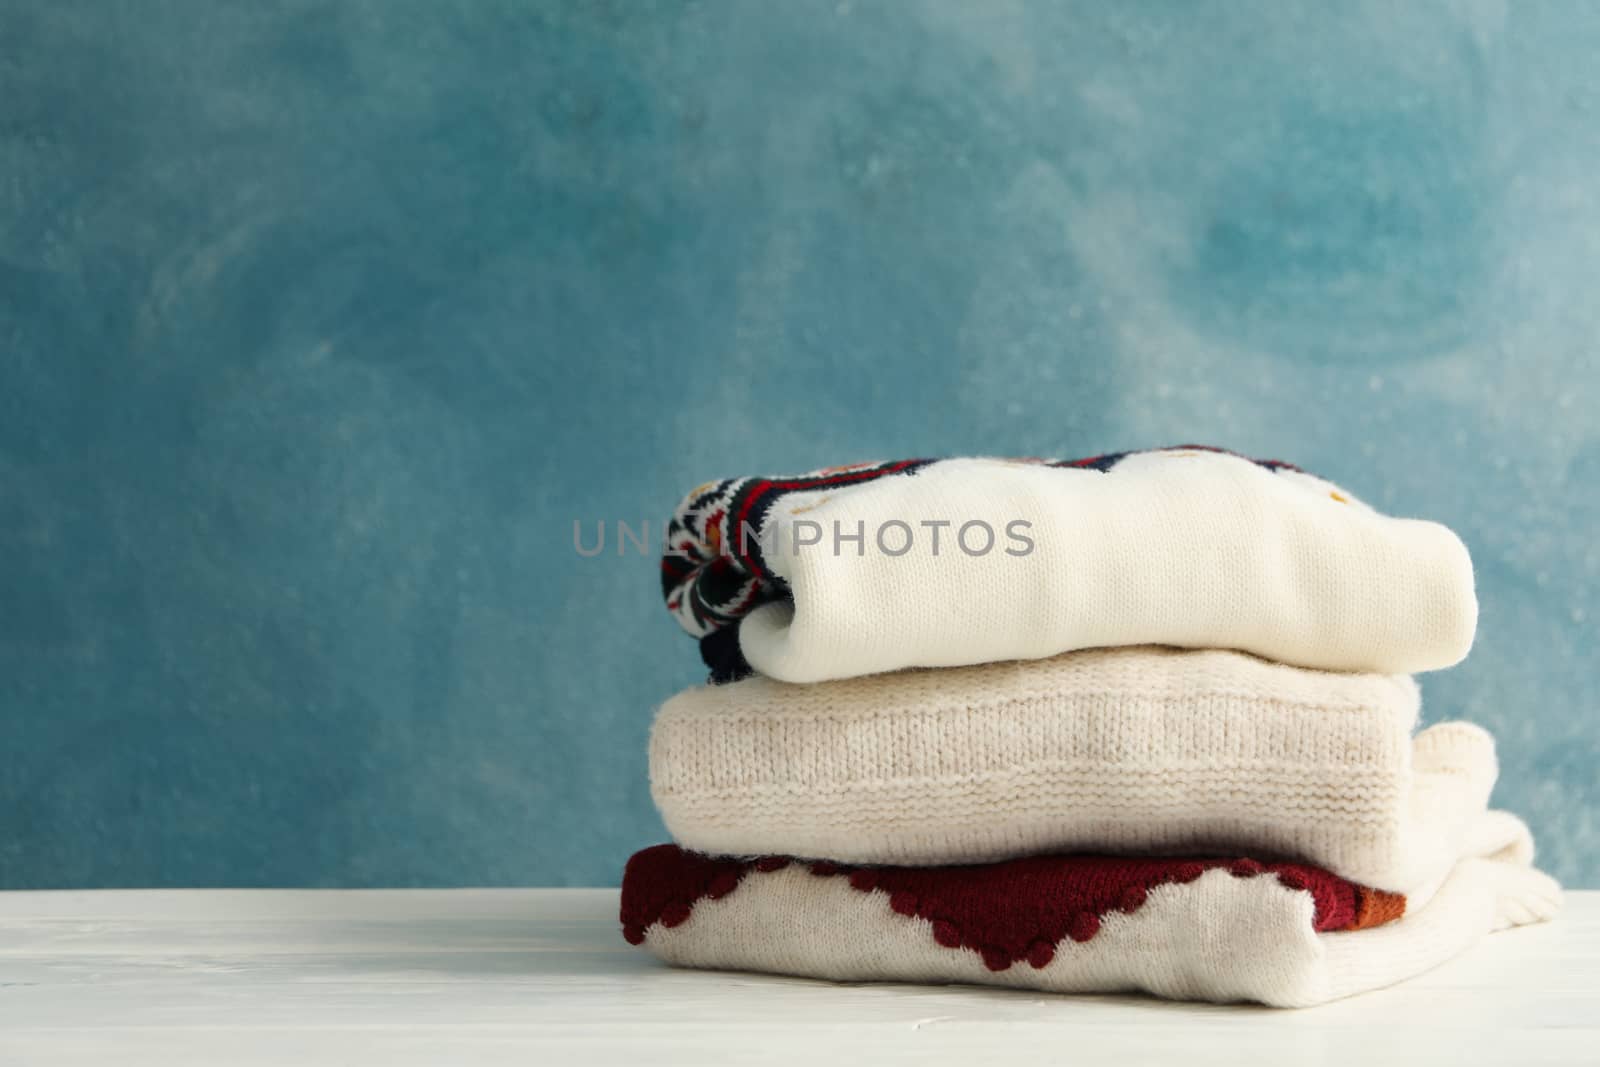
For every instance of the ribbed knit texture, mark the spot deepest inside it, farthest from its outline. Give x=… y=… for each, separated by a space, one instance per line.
x=1146 y=751
x=1183 y=547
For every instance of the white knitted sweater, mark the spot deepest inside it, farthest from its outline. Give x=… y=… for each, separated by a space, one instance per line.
x=1147 y=751
x=1176 y=547
x=1219 y=937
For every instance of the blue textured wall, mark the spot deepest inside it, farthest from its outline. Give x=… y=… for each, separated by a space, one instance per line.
x=321 y=320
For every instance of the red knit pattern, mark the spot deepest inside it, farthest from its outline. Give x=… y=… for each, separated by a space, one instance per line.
x=663 y=883
x=1019 y=910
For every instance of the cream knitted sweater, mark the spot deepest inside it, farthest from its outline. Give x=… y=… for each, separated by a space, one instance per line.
x=962 y=561
x=1148 y=751
x=1234 y=930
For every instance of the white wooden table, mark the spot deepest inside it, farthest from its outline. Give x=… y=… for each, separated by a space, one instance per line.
x=535 y=977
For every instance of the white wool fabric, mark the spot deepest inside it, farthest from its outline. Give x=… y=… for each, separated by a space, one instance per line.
x=1190 y=548
x=1145 y=751
x=1219 y=938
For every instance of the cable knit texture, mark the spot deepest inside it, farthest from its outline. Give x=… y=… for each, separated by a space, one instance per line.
x=1140 y=750
x=1195 y=930
x=1187 y=547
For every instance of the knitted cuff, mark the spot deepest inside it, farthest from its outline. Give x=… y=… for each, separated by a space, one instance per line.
x=1204 y=929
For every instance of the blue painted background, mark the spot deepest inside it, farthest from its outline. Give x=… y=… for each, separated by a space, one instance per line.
x=322 y=320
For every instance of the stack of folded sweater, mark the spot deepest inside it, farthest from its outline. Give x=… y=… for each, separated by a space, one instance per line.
x=1135 y=722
